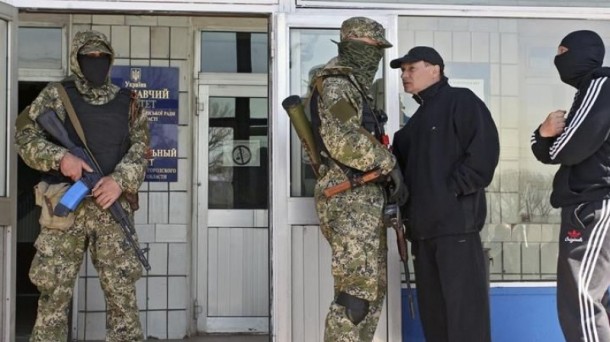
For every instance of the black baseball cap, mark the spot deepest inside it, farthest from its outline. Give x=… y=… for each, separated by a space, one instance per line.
x=419 y=53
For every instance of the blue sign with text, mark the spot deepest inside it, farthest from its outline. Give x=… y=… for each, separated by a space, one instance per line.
x=157 y=89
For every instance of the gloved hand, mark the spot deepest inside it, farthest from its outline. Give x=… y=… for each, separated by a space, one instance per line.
x=398 y=189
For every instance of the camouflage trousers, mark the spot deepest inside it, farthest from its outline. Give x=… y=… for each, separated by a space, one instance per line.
x=352 y=224
x=59 y=255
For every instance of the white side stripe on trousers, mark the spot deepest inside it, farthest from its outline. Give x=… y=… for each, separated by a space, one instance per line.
x=587 y=269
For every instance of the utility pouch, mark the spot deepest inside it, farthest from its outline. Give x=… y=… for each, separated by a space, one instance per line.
x=133 y=200
x=47 y=197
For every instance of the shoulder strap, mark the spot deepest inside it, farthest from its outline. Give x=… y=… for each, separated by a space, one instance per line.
x=65 y=99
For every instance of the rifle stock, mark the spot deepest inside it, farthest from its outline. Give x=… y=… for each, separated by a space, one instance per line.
x=368 y=177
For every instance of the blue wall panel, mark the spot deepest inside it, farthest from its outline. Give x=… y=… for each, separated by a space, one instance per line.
x=523 y=314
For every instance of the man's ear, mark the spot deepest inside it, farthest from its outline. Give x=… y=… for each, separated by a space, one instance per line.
x=436 y=71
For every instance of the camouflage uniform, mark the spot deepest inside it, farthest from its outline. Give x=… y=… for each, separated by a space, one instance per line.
x=352 y=221
x=60 y=252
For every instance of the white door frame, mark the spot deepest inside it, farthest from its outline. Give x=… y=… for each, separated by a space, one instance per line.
x=288 y=211
x=8 y=207
x=209 y=85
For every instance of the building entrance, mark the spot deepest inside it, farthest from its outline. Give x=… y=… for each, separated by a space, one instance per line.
x=27 y=230
x=234 y=134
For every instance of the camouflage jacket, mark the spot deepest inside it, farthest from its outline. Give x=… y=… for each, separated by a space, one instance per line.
x=340 y=107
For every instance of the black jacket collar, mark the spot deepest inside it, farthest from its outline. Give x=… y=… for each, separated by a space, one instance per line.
x=429 y=92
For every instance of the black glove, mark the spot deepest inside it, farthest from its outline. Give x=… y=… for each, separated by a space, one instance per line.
x=399 y=193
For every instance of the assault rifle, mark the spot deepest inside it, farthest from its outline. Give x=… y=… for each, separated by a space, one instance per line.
x=393 y=219
x=75 y=194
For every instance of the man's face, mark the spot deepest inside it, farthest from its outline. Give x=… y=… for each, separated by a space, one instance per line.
x=561 y=50
x=418 y=76
x=96 y=54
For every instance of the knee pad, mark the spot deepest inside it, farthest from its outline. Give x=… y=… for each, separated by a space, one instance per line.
x=356 y=308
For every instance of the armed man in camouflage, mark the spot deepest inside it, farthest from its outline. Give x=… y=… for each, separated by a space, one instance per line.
x=352 y=220
x=116 y=131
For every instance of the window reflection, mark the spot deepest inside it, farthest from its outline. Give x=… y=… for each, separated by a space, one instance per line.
x=241 y=52
x=238 y=153
x=40 y=48
x=311 y=49
x=509 y=64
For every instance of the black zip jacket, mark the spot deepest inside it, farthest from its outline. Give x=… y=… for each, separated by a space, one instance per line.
x=448 y=152
x=583 y=149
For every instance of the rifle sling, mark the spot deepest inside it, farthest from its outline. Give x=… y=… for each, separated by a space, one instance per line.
x=65 y=99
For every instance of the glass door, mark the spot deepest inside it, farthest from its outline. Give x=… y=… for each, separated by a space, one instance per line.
x=300 y=301
x=233 y=229
x=8 y=109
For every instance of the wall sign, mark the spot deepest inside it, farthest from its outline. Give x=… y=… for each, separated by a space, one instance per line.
x=157 y=89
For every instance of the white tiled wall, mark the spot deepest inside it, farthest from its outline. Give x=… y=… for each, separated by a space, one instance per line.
x=162 y=222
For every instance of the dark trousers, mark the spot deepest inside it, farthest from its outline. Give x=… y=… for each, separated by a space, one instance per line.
x=583 y=272
x=452 y=290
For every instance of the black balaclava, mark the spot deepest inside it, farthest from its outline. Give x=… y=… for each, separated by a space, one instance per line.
x=362 y=58
x=585 y=54
x=95 y=68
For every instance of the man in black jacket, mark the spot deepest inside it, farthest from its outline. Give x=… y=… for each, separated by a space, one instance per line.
x=580 y=143
x=448 y=150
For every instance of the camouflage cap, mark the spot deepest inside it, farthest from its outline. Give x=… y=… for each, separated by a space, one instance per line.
x=362 y=27
x=95 y=42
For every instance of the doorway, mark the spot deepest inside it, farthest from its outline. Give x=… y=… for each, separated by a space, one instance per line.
x=27 y=229
x=234 y=235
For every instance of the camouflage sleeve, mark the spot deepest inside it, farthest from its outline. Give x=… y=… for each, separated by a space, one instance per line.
x=129 y=172
x=32 y=143
x=341 y=130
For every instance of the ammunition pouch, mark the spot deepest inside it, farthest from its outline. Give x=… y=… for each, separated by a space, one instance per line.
x=47 y=196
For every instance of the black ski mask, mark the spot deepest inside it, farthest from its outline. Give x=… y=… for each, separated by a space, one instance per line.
x=95 y=68
x=585 y=54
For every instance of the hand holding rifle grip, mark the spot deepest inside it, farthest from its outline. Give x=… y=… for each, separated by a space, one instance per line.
x=368 y=177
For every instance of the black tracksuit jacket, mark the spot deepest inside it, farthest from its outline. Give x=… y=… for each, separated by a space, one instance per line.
x=448 y=151
x=583 y=149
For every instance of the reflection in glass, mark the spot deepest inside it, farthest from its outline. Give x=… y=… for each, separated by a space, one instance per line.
x=311 y=49
x=40 y=48
x=242 y=52
x=508 y=63
x=238 y=153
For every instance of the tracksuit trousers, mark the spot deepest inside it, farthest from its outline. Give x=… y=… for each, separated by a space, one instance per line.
x=583 y=271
